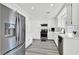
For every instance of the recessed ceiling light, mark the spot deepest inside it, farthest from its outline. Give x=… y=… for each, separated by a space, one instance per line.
x=32 y=7
x=51 y=5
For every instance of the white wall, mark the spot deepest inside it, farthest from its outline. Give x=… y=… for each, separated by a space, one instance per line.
x=28 y=32
x=36 y=26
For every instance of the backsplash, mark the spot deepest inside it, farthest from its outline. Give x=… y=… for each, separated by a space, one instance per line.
x=60 y=30
x=73 y=29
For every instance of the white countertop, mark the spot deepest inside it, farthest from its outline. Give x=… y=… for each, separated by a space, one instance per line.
x=69 y=36
x=70 y=43
x=66 y=35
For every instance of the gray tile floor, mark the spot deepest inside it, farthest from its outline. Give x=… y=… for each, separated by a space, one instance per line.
x=42 y=48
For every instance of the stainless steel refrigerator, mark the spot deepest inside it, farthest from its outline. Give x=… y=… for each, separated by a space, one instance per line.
x=12 y=28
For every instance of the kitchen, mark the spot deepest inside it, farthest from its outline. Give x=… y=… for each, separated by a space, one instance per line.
x=43 y=22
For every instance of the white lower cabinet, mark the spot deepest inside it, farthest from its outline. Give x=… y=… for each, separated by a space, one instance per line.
x=53 y=36
x=71 y=46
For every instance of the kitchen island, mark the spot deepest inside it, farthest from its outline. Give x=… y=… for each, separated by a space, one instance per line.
x=70 y=44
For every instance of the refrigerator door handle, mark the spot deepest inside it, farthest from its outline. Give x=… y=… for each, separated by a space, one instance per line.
x=16 y=28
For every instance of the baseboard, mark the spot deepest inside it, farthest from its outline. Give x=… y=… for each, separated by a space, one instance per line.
x=28 y=46
x=56 y=46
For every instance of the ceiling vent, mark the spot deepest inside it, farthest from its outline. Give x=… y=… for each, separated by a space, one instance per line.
x=47 y=12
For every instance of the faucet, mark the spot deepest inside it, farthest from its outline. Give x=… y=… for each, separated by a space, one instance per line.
x=74 y=32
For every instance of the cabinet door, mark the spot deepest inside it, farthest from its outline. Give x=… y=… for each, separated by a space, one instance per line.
x=75 y=13
x=69 y=14
x=71 y=46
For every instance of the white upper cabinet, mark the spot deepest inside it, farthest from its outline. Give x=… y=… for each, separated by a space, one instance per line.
x=75 y=13
x=69 y=15
x=62 y=17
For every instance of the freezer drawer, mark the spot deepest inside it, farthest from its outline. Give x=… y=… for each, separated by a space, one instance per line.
x=8 y=44
x=18 y=51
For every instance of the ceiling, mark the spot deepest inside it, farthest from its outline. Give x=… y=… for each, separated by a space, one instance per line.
x=41 y=10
